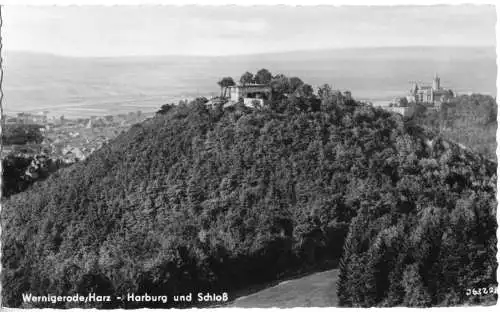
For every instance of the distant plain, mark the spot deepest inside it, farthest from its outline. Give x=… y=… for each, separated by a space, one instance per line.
x=80 y=87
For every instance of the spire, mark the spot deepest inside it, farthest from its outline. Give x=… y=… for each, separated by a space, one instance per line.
x=436 y=82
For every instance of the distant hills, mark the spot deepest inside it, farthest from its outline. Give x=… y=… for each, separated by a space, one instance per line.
x=99 y=86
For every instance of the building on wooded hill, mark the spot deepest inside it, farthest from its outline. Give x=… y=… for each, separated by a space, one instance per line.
x=431 y=96
x=251 y=94
x=401 y=106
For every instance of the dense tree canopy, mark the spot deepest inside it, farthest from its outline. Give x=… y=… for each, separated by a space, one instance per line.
x=325 y=92
x=246 y=78
x=165 y=108
x=20 y=172
x=14 y=179
x=295 y=84
x=431 y=237
x=468 y=119
x=210 y=199
x=283 y=86
x=428 y=237
x=305 y=90
x=21 y=134
x=263 y=76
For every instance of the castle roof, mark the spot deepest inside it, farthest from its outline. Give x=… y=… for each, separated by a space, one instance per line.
x=249 y=85
x=253 y=87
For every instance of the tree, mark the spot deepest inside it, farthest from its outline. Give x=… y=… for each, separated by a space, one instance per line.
x=280 y=86
x=225 y=83
x=263 y=76
x=14 y=174
x=325 y=92
x=201 y=99
x=295 y=83
x=22 y=134
x=246 y=78
x=305 y=90
x=165 y=108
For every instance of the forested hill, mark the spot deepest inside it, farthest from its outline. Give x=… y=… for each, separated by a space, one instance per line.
x=467 y=119
x=208 y=199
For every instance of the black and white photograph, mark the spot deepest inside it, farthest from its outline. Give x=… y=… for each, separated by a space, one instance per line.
x=248 y=156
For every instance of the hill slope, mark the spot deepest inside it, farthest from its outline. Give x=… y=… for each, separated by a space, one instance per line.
x=467 y=119
x=203 y=199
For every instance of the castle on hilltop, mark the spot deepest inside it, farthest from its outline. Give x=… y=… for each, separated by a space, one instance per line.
x=432 y=96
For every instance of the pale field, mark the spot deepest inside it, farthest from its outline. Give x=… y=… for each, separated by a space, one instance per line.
x=314 y=290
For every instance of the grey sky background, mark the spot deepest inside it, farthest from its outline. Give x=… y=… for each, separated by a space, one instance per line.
x=229 y=30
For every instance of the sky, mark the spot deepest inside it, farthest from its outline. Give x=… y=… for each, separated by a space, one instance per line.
x=95 y=31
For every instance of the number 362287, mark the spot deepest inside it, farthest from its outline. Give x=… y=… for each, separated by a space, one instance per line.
x=481 y=291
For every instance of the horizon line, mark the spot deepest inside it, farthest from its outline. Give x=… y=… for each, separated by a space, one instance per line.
x=245 y=54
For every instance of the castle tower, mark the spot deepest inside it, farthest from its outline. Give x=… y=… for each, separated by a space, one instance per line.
x=414 y=89
x=436 y=83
